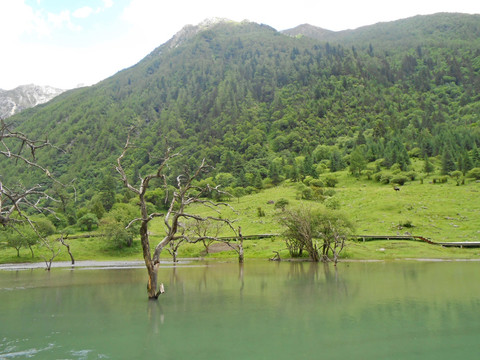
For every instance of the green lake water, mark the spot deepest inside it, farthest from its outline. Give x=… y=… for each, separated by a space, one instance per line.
x=392 y=310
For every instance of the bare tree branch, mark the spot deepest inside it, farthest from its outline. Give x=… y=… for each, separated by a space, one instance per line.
x=184 y=195
x=16 y=200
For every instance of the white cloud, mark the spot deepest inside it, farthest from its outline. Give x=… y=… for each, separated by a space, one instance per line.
x=107 y=4
x=16 y=18
x=83 y=12
x=60 y=19
x=32 y=55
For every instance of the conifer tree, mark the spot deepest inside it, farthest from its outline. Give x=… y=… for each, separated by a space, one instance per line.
x=448 y=162
x=428 y=166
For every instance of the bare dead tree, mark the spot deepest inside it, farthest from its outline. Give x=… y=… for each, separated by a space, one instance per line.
x=61 y=239
x=238 y=247
x=53 y=253
x=334 y=232
x=184 y=195
x=201 y=229
x=13 y=200
x=173 y=248
x=16 y=199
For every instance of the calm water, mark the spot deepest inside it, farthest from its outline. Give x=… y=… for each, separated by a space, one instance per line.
x=398 y=310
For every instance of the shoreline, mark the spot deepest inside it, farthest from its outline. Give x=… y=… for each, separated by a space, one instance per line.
x=139 y=264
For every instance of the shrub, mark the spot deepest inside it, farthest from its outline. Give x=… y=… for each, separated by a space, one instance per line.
x=377 y=176
x=330 y=181
x=60 y=221
x=399 y=179
x=307 y=180
x=412 y=175
x=474 y=173
x=396 y=168
x=385 y=178
x=329 y=192
x=281 y=203
x=88 y=221
x=332 y=203
x=307 y=193
x=44 y=226
x=321 y=234
x=317 y=183
x=416 y=152
x=405 y=224
x=440 y=180
x=116 y=233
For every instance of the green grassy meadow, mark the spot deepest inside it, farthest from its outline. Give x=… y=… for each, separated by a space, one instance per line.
x=442 y=212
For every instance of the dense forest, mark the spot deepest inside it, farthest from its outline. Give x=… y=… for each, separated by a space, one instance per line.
x=263 y=106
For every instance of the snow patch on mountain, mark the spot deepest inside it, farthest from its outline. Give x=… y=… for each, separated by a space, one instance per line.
x=24 y=97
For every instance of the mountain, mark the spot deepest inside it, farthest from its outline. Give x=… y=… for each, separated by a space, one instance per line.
x=434 y=30
x=311 y=31
x=261 y=106
x=24 y=97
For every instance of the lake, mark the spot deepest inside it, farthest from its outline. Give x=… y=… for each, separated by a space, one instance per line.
x=263 y=310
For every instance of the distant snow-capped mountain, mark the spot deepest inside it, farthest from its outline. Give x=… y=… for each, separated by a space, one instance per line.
x=24 y=97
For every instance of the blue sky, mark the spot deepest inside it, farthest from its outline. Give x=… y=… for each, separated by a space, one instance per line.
x=67 y=43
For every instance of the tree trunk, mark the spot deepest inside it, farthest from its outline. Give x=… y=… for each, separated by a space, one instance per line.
x=61 y=239
x=152 y=285
x=240 y=246
x=313 y=251
x=48 y=264
x=152 y=266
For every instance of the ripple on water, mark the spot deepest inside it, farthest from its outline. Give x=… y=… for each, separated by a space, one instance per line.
x=12 y=349
x=9 y=349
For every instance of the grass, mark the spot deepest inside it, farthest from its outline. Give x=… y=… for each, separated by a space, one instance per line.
x=442 y=212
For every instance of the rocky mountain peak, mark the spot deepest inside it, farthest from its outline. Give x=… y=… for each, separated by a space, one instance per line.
x=24 y=97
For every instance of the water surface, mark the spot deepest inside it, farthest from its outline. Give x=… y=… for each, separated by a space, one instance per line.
x=263 y=310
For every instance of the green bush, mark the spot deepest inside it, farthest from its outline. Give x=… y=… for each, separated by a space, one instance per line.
x=332 y=203
x=377 y=176
x=474 y=173
x=317 y=183
x=281 y=203
x=44 y=226
x=399 y=179
x=250 y=190
x=412 y=175
x=440 y=180
x=330 y=181
x=116 y=233
x=329 y=192
x=405 y=224
x=260 y=212
x=383 y=177
x=60 y=221
x=307 y=193
x=88 y=221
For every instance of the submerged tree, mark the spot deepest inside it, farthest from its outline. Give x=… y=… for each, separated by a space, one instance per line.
x=185 y=194
x=322 y=234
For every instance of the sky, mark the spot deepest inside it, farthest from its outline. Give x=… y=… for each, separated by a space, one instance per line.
x=66 y=44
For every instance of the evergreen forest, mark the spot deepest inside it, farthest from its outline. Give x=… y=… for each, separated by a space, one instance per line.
x=263 y=107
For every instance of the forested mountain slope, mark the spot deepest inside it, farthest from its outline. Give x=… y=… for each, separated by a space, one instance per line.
x=442 y=29
x=257 y=103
